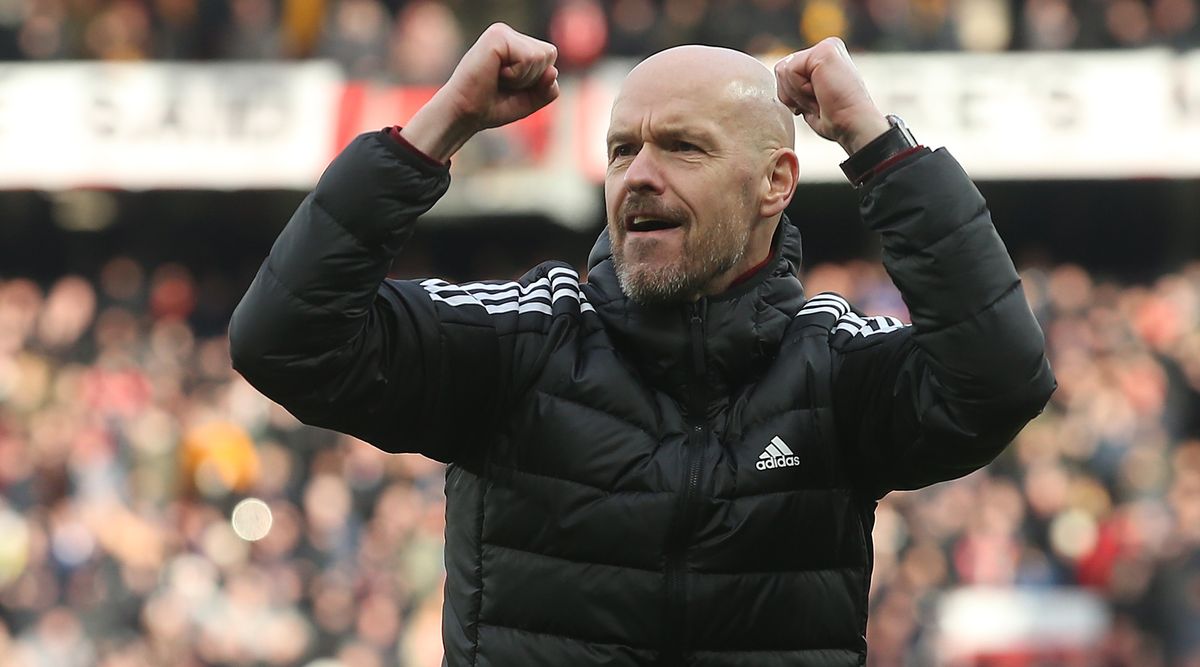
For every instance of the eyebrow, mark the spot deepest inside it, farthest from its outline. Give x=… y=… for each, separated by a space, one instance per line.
x=668 y=131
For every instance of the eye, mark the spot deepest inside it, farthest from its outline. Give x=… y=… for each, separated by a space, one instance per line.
x=686 y=147
x=621 y=150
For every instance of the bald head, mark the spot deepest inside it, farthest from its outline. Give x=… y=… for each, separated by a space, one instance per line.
x=737 y=89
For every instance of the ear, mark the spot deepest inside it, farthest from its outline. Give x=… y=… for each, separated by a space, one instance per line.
x=779 y=183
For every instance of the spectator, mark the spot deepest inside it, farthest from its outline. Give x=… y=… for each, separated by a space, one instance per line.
x=427 y=35
x=106 y=558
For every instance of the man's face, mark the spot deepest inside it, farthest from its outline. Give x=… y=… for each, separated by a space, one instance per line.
x=679 y=190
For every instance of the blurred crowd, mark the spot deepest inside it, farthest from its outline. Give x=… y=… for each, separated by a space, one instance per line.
x=419 y=41
x=1102 y=491
x=126 y=440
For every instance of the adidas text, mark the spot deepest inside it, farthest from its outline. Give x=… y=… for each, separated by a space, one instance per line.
x=777 y=462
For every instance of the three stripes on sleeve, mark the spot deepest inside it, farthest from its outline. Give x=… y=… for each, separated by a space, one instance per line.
x=539 y=296
x=845 y=319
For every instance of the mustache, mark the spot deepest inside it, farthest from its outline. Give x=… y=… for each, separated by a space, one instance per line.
x=650 y=206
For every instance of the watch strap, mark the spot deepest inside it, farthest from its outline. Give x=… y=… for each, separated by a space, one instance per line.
x=882 y=149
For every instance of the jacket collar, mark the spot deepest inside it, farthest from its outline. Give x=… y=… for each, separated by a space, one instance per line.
x=741 y=328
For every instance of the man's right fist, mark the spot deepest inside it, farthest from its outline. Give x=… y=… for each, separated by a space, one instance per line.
x=504 y=76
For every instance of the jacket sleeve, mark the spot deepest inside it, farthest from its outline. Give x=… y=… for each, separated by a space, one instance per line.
x=416 y=366
x=941 y=398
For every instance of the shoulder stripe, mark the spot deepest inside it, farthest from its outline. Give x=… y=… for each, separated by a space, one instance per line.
x=821 y=309
x=500 y=297
x=865 y=327
x=830 y=297
x=826 y=302
x=846 y=320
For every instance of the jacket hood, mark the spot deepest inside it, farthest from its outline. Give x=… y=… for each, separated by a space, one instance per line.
x=739 y=330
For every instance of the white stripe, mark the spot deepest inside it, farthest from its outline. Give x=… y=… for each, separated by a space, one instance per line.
x=435 y=285
x=772 y=451
x=480 y=299
x=855 y=319
x=765 y=455
x=566 y=293
x=460 y=300
x=825 y=303
x=807 y=310
x=510 y=294
x=778 y=442
x=442 y=286
x=857 y=326
x=515 y=297
x=831 y=298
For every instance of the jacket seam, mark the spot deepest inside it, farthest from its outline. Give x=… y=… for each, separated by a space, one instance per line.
x=855 y=651
x=565 y=636
x=479 y=585
x=611 y=492
x=287 y=289
x=820 y=489
x=585 y=406
x=571 y=560
x=813 y=570
x=968 y=222
x=338 y=223
x=991 y=305
x=774 y=415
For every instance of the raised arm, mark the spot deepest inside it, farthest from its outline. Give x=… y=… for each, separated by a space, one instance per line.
x=937 y=400
x=322 y=332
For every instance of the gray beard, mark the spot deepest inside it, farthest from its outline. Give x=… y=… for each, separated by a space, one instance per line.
x=684 y=280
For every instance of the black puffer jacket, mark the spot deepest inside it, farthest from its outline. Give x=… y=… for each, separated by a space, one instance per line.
x=690 y=485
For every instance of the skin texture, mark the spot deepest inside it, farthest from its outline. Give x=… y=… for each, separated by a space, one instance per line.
x=697 y=137
x=701 y=137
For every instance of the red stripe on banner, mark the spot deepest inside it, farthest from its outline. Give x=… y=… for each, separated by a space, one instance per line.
x=350 y=108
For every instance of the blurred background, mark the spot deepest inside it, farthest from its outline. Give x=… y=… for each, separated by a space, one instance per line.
x=150 y=151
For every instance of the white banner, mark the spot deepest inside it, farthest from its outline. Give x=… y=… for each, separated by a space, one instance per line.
x=1033 y=116
x=140 y=126
x=1121 y=114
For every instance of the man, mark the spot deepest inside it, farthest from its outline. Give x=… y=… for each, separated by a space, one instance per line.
x=676 y=462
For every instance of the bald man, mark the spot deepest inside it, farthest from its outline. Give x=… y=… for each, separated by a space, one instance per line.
x=677 y=461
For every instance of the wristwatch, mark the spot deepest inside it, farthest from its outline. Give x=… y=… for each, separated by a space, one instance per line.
x=897 y=139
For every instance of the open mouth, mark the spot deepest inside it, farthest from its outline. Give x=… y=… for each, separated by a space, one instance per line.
x=642 y=223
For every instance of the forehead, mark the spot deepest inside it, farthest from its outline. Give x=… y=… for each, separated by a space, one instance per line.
x=670 y=105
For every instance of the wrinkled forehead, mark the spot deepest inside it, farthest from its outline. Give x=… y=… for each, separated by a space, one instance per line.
x=685 y=101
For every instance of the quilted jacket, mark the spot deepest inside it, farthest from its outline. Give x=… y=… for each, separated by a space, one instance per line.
x=682 y=485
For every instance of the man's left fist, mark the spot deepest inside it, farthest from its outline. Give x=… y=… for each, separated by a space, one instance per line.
x=822 y=84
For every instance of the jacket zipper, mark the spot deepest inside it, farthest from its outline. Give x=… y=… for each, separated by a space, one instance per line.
x=697 y=427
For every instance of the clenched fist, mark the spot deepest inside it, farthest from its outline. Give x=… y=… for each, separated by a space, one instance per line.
x=504 y=76
x=822 y=84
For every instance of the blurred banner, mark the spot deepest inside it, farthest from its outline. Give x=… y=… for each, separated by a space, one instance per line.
x=141 y=126
x=1128 y=114
x=1021 y=627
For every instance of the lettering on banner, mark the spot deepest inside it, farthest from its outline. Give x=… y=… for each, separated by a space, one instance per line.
x=986 y=88
x=197 y=106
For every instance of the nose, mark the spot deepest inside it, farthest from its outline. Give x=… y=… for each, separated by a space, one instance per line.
x=644 y=173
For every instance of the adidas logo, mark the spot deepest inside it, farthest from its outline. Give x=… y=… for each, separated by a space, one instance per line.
x=777 y=455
